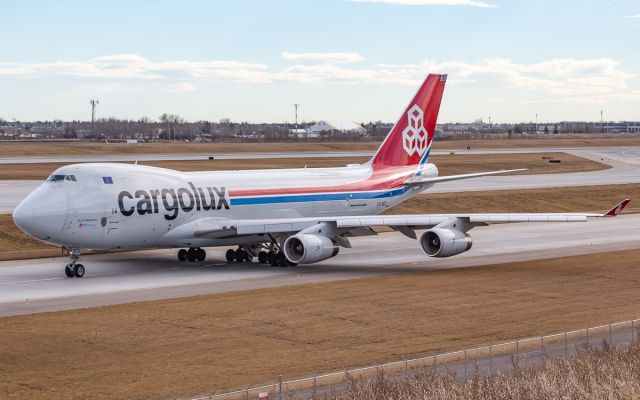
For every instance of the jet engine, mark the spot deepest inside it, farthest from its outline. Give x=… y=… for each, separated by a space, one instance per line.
x=307 y=248
x=440 y=242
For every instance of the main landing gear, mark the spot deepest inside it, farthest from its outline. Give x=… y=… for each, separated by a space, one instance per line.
x=239 y=255
x=277 y=259
x=193 y=254
x=74 y=269
x=273 y=256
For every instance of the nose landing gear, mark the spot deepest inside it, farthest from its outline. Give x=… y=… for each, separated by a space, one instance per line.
x=74 y=269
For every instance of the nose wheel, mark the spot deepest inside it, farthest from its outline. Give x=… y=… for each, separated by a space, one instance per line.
x=74 y=269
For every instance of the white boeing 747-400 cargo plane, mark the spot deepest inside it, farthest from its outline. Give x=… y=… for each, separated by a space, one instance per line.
x=284 y=217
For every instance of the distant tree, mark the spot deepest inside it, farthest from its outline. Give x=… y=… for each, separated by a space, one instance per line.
x=555 y=129
x=205 y=128
x=546 y=130
x=170 y=121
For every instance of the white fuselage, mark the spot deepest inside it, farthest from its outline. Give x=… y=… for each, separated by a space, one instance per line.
x=133 y=206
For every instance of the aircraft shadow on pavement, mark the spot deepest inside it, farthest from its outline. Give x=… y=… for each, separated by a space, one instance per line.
x=153 y=264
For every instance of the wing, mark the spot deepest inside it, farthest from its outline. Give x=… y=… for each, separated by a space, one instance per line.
x=216 y=228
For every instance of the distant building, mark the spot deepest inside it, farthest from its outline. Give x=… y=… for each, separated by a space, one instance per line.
x=576 y=127
x=622 y=127
x=337 y=127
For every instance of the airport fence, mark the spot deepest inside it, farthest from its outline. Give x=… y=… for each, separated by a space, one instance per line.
x=505 y=357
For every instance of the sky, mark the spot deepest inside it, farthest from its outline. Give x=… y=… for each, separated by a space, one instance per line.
x=359 y=60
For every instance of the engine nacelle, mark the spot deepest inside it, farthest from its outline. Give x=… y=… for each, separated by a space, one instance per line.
x=440 y=242
x=307 y=248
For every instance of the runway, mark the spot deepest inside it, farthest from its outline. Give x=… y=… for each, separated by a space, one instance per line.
x=267 y=155
x=624 y=162
x=33 y=286
x=13 y=192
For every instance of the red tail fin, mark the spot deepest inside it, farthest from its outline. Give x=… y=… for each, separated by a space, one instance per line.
x=409 y=142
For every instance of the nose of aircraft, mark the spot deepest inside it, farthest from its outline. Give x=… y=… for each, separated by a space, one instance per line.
x=24 y=216
x=43 y=213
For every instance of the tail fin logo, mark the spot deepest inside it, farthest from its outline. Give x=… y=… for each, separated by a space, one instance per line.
x=415 y=136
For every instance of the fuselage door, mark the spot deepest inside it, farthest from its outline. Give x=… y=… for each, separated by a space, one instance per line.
x=110 y=221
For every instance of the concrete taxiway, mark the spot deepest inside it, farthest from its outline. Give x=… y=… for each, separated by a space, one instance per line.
x=12 y=193
x=624 y=163
x=33 y=286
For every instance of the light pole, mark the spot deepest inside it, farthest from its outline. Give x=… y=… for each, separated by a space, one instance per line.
x=94 y=103
x=295 y=106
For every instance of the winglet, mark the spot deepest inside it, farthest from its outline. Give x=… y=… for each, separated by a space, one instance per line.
x=617 y=209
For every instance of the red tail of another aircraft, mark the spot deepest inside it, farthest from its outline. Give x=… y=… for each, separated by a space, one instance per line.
x=409 y=141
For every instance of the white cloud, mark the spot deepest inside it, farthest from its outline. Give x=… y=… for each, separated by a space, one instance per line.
x=473 y=3
x=326 y=58
x=133 y=66
x=568 y=79
x=564 y=76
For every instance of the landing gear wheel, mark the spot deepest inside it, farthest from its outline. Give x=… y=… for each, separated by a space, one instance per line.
x=201 y=255
x=73 y=269
x=241 y=255
x=263 y=257
x=272 y=258
x=78 y=270
x=283 y=261
x=182 y=255
x=191 y=255
x=230 y=255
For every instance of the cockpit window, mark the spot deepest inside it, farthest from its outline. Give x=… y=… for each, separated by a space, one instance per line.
x=55 y=178
x=59 y=178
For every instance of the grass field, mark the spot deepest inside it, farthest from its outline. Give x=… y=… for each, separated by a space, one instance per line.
x=611 y=372
x=90 y=148
x=195 y=345
x=448 y=165
x=16 y=245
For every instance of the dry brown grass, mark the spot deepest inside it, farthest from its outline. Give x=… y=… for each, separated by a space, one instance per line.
x=607 y=373
x=448 y=165
x=15 y=245
x=193 y=345
x=90 y=148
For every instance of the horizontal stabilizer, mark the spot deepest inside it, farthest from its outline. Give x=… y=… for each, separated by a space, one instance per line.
x=417 y=180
